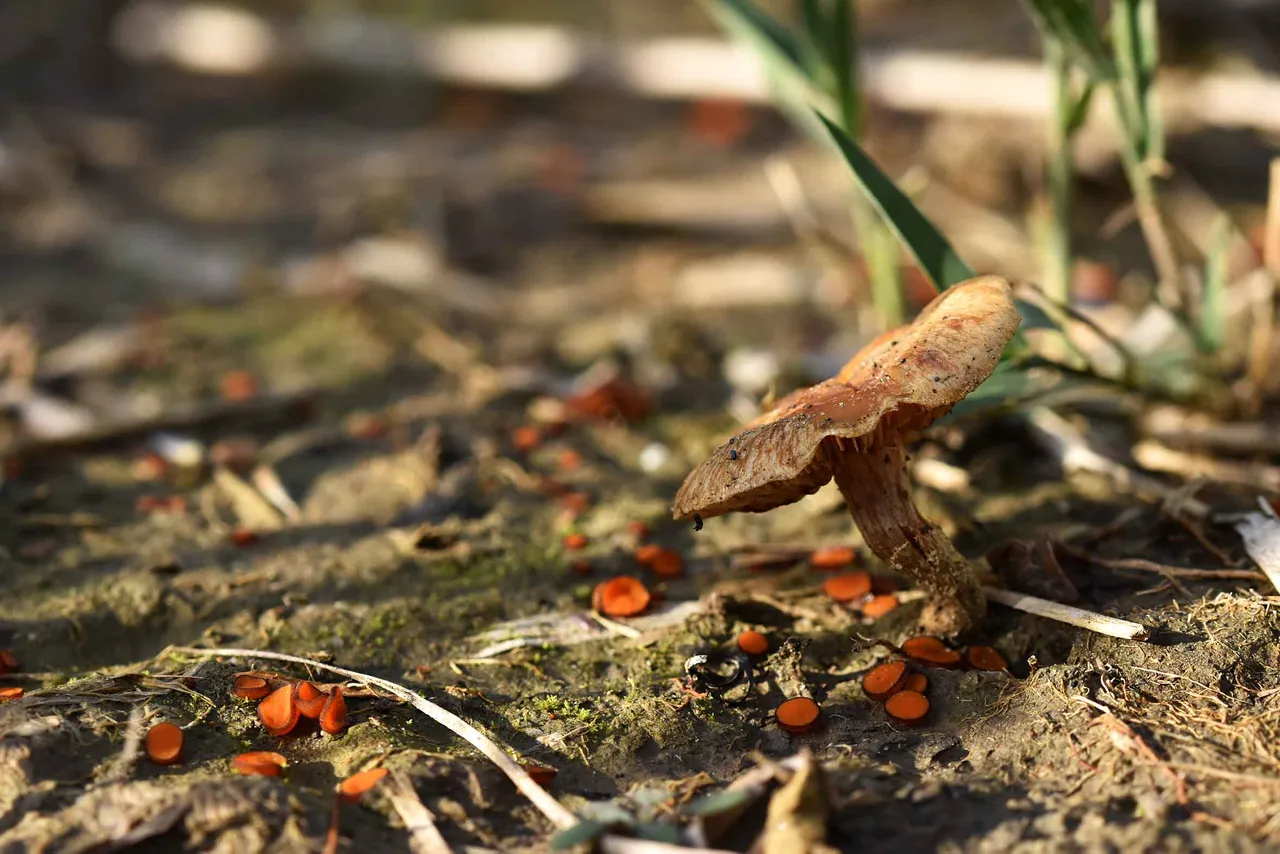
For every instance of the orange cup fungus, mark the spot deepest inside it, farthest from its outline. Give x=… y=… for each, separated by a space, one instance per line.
x=753 y=643
x=930 y=650
x=356 y=785
x=985 y=658
x=884 y=680
x=10 y=693
x=333 y=717
x=574 y=542
x=832 y=557
x=164 y=743
x=278 y=711
x=526 y=438
x=238 y=385
x=667 y=563
x=917 y=682
x=877 y=606
x=248 y=687
x=543 y=775
x=908 y=708
x=621 y=596
x=309 y=699
x=798 y=715
x=260 y=763
x=847 y=587
x=647 y=554
x=8 y=663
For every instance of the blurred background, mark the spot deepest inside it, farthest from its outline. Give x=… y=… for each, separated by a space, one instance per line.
x=545 y=185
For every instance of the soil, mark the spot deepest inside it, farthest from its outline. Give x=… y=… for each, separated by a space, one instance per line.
x=419 y=546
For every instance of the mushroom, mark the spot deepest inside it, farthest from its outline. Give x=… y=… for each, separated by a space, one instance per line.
x=854 y=428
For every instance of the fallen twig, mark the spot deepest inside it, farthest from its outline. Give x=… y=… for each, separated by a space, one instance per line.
x=1100 y=623
x=555 y=812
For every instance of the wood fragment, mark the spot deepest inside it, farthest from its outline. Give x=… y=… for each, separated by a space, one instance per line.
x=1100 y=623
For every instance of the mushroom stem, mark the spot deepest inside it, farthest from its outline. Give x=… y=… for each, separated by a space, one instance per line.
x=876 y=488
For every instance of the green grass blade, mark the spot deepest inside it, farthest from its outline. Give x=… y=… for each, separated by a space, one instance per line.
x=1210 y=326
x=932 y=251
x=1080 y=109
x=787 y=60
x=1073 y=24
x=813 y=25
x=1148 y=55
x=768 y=36
x=1134 y=39
x=843 y=54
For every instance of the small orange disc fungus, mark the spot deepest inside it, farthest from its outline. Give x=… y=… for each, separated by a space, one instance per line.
x=854 y=429
x=832 y=557
x=260 y=763
x=798 y=715
x=569 y=460
x=638 y=528
x=581 y=566
x=10 y=693
x=877 y=606
x=356 y=785
x=543 y=775
x=985 y=658
x=753 y=643
x=164 y=743
x=8 y=662
x=645 y=555
x=884 y=680
x=574 y=503
x=278 y=712
x=848 y=587
x=238 y=385
x=917 y=682
x=930 y=650
x=907 y=707
x=333 y=718
x=667 y=563
x=526 y=438
x=575 y=542
x=248 y=687
x=621 y=596
x=243 y=537
x=309 y=699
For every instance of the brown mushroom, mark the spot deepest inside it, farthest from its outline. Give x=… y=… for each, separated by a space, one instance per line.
x=854 y=428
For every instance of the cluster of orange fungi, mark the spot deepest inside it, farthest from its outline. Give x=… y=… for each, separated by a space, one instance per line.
x=282 y=705
x=627 y=595
x=860 y=591
x=9 y=664
x=902 y=690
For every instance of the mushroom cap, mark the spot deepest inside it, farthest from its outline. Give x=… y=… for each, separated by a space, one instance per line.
x=891 y=389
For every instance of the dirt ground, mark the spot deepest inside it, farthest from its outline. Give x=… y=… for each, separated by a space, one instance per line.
x=422 y=541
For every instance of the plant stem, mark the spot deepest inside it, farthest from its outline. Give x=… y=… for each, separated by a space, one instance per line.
x=880 y=253
x=1057 y=264
x=877 y=243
